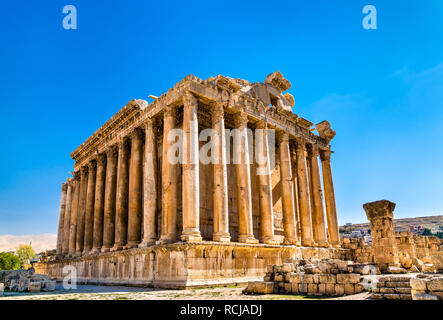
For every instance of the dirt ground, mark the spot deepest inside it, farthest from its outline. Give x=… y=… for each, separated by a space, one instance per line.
x=92 y=292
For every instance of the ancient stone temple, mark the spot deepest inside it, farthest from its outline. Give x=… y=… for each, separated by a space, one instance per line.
x=132 y=214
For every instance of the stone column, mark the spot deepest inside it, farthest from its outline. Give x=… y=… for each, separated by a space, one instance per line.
x=89 y=213
x=80 y=237
x=121 y=201
x=149 y=186
x=135 y=189
x=169 y=182
x=295 y=186
x=220 y=204
x=303 y=195
x=289 y=222
x=318 y=220
x=380 y=214
x=74 y=210
x=242 y=169
x=191 y=191
x=99 y=203
x=264 y=184
x=110 y=195
x=331 y=211
x=61 y=218
x=67 y=217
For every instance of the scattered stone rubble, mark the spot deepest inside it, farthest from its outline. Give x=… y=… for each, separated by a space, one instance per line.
x=331 y=277
x=25 y=280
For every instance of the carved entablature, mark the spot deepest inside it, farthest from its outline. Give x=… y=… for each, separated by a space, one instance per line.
x=260 y=101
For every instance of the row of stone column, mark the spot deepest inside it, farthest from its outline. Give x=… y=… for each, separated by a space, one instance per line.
x=101 y=207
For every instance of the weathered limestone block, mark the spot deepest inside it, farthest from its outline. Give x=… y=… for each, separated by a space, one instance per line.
x=418 y=284
x=48 y=285
x=328 y=278
x=424 y=296
x=34 y=286
x=339 y=289
x=435 y=284
x=348 y=278
x=277 y=80
x=2 y=289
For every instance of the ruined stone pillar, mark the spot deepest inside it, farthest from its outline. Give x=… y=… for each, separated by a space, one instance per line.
x=135 y=189
x=169 y=182
x=67 y=217
x=317 y=210
x=99 y=203
x=110 y=195
x=289 y=222
x=89 y=212
x=80 y=237
x=263 y=169
x=221 y=212
x=149 y=186
x=191 y=190
x=331 y=211
x=121 y=201
x=61 y=218
x=74 y=210
x=303 y=195
x=380 y=214
x=242 y=169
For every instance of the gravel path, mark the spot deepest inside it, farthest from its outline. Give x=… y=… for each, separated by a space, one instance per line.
x=91 y=292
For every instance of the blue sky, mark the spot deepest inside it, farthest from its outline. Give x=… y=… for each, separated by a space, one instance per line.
x=382 y=90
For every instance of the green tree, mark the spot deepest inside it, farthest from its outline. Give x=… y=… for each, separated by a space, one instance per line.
x=25 y=253
x=9 y=261
x=427 y=232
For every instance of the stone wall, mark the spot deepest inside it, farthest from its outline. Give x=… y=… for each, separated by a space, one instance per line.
x=182 y=265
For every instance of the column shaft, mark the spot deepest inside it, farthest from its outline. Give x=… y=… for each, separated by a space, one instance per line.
x=135 y=189
x=80 y=237
x=149 y=186
x=220 y=201
x=191 y=191
x=295 y=186
x=74 y=210
x=121 y=206
x=67 y=218
x=264 y=184
x=99 y=203
x=61 y=218
x=89 y=212
x=331 y=211
x=290 y=227
x=242 y=168
x=303 y=195
x=318 y=220
x=169 y=182
x=110 y=195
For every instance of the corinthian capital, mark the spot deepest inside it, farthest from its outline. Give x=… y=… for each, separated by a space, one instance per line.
x=218 y=112
x=300 y=144
x=189 y=100
x=241 y=119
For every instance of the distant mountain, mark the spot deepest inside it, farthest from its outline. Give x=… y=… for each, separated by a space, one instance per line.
x=40 y=242
x=430 y=222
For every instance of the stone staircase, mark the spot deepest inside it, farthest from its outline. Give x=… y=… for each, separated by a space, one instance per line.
x=393 y=287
